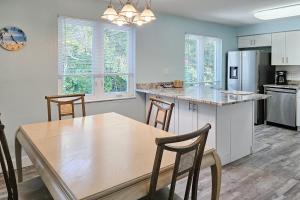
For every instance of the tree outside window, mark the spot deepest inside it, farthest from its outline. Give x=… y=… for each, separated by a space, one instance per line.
x=202 y=59
x=95 y=58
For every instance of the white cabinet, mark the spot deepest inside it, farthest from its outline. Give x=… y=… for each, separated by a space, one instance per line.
x=262 y=40
x=207 y=114
x=187 y=117
x=286 y=48
x=245 y=41
x=232 y=126
x=292 y=40
x=278 y=48
x=236 y=123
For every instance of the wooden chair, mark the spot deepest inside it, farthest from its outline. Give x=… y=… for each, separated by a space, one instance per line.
x=163 y=113
x=65 y=104
x=33 y=189
x=188 y=160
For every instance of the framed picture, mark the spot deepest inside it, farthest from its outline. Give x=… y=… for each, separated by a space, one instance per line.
x=12 y=38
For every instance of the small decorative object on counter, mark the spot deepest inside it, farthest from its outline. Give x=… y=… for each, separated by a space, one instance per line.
x=178 y=83
x=12 y=38
x=167 y=85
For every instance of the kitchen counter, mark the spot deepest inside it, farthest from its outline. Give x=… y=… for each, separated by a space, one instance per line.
x=297 y=87
x=230 y=113
x=205 y=95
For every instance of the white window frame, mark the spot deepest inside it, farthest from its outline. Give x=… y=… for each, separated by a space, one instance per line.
x=200 y=64
x=98 y=60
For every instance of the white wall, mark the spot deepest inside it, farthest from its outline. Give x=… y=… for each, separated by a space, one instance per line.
x=270 y=26
x=28 y=75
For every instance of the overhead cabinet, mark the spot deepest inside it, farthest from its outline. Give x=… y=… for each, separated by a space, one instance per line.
x=262 y=40
x=286 y=48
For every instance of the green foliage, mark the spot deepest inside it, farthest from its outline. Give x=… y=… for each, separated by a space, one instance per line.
x=210 y=53
x=115 y=83
x=190 y=70
x=206 y=50
x=79 y=58
x=78 y=84
x=115 y=60
x=116 y=51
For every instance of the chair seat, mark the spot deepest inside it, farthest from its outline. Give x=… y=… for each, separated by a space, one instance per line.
x=33 y=189
x=163 y=194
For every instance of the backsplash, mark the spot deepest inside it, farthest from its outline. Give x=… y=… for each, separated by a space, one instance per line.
x=293 y=72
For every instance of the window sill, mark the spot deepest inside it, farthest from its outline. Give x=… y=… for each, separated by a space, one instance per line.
x=104 y=99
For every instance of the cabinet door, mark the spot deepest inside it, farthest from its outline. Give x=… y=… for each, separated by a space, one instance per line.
x=263 y=40
x=245 y=41
x=187 y=117
x=292 y=48
x=278 y=48
x=207 y=114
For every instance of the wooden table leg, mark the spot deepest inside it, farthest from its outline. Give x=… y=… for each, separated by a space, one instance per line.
x=216 y=173
x=18 y=154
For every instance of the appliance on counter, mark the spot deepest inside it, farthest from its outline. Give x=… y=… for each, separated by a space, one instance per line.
x=282 y=106
x=281 y=78
x=249 y=71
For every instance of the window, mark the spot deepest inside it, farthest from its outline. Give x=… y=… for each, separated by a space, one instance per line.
x=203 y=59
x=96 y=59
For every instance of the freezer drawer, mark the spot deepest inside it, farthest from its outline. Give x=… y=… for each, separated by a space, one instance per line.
x=281 y=107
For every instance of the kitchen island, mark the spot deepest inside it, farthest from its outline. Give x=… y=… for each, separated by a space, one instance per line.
x=231 y=115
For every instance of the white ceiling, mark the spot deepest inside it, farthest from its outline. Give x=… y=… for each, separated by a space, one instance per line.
x=231 y=12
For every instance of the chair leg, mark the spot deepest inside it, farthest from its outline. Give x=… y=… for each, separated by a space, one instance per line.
x=216 y=171
x=18 y=152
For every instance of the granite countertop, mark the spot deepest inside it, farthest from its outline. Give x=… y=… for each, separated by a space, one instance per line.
x=204 y=94
x=290 y=86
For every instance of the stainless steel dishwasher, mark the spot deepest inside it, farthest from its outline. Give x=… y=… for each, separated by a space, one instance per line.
x=282 y=106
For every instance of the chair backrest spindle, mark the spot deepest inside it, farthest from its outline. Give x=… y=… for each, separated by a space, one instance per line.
x=163 y=114
x=188 y=160
x=7 y=166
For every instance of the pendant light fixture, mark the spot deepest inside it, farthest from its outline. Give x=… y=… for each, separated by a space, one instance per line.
x=138 y=20
x=128 y=10
x=110 y=13
x=128 y=13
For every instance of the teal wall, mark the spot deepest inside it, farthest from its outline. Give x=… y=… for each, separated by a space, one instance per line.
x=160 y=46
x=279 y=25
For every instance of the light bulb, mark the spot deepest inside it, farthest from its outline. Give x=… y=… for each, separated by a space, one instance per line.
x=129 y=14
x=110 y=17
x=147 y=19
x=139 y=23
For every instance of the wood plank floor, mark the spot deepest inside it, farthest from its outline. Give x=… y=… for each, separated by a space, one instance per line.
x=272 y=172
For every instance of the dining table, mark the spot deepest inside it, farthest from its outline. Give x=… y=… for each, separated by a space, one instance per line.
x=104 y=156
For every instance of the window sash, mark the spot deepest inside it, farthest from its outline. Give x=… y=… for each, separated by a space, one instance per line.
x=200 y=54
x=97 y=72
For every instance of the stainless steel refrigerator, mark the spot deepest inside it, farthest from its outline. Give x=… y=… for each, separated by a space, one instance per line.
x=249 y=71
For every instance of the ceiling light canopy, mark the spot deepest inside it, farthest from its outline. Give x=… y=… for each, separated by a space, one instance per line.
x=128 y=14
x=280 y=12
